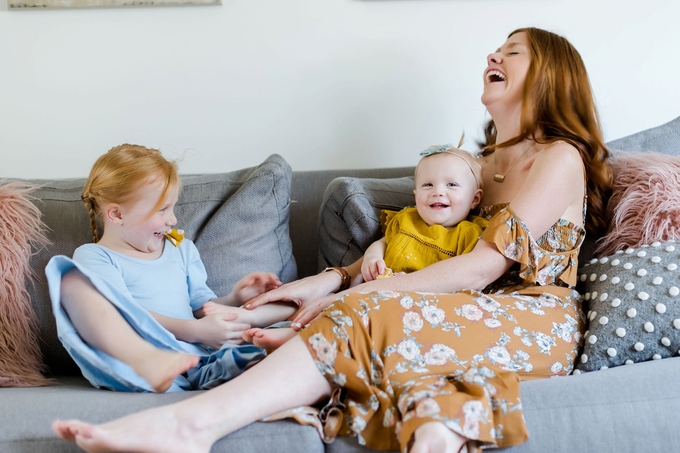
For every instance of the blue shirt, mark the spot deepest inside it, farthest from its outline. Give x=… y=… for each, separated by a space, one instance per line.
x=173 y=285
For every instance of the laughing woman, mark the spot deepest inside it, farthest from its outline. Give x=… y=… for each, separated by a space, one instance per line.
x=432 y=361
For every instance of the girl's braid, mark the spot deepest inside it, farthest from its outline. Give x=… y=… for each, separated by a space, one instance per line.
x=91 y=209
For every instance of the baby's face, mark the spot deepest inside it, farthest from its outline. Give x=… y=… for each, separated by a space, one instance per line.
x=445 y=190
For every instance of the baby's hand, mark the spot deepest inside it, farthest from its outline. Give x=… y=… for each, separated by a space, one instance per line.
x=372 y=267
x=254 y=284
x=388 y=273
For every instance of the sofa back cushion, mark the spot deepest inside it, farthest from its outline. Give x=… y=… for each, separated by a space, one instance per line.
x=349 y=219
x=663 y=139
x=238 y=221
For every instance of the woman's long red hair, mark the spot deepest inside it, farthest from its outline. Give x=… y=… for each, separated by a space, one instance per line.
x=558 y=104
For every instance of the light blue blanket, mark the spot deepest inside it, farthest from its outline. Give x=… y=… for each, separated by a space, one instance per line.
x=104 y=371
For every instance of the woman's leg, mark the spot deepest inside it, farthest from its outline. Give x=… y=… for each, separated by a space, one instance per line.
x=288 y=378
x=100 y=325
x=435 y=437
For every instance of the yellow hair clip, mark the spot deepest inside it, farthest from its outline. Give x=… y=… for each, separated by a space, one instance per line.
x=175 y=236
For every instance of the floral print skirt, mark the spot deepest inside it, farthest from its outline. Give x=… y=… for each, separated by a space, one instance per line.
x=404 y=359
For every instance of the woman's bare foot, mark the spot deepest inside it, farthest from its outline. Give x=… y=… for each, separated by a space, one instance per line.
x=157 y=430
x=435 y=437
x=162 y=367
x=268 y=339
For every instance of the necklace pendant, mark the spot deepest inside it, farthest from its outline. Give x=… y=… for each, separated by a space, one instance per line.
x=498 y=178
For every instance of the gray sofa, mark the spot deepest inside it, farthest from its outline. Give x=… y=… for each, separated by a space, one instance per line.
x=306 y=225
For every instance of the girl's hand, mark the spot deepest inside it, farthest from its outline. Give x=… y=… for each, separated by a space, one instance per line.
x=217 y=329
x=254 y=284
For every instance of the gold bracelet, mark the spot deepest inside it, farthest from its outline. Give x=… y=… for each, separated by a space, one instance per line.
x=344 y=275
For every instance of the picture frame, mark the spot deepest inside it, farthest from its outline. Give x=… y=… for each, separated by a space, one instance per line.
x=56 y=4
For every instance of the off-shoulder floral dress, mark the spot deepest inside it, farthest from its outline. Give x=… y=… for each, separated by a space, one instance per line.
x=404 y=359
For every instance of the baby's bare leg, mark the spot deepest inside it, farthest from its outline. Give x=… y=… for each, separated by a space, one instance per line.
x=285 y=379
x=263 y=316
x=102 y=326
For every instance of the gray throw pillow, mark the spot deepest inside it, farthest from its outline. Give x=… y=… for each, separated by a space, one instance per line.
x=661 y=139
x=349 y=220
x=238 y=220
x=632 y=304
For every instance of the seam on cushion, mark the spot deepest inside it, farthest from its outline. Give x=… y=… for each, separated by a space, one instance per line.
x=275 y=194
x=609 y=403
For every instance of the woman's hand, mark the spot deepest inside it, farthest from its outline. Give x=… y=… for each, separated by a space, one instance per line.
x=299 y=292
x=311 y=311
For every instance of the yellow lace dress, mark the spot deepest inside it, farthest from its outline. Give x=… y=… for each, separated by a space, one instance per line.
x=412 y=244
x=406 y=358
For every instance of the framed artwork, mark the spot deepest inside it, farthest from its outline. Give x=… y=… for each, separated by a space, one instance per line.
x=30 y=4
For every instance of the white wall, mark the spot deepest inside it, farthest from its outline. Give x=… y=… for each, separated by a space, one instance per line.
x=325 y=83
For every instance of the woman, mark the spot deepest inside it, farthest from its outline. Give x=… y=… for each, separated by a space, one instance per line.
x=438 y=371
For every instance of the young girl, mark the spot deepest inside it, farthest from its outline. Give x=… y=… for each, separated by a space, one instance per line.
x=448 y=184
x=156 y=279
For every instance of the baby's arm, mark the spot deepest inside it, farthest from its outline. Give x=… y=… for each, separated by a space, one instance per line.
x=374 y=263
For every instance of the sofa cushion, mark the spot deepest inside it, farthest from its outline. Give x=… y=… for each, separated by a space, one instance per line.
x=644 y=206
x=20 y=229
x=29 y=412
x=238 y=220
x=349 y=220
x=661 y=139
x=633 y=306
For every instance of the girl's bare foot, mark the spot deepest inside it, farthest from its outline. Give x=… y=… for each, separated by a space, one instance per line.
x=157 y=430
x=435 y=437
x=162 y=367
x=268 y=339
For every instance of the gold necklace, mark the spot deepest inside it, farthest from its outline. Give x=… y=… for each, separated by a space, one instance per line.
x=500 y=178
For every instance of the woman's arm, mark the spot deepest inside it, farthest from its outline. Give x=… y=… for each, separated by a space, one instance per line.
x=474 y=270
x=553 y=189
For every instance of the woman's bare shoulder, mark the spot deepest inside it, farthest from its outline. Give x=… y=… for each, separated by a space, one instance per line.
x=560 y=152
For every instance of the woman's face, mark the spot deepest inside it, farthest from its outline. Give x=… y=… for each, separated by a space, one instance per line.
x=506 y=73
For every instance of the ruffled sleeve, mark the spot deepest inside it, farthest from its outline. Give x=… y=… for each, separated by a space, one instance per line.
x=386 y=217
x=537 y=265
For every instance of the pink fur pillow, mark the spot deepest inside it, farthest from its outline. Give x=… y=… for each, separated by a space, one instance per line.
x=645 y=202
x=20 y=229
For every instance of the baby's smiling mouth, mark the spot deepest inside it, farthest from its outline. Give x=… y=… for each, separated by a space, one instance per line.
x=439 y=206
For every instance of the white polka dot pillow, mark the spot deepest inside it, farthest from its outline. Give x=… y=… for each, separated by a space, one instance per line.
x=633 y=306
